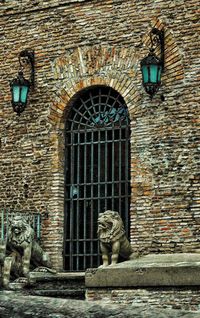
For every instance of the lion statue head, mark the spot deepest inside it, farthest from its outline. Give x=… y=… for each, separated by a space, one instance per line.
x=110 y=226
x=20 y=231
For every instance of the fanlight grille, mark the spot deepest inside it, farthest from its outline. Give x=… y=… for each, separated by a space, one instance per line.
x=100 y=107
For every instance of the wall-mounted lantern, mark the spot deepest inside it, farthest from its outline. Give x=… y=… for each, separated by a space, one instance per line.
x=152 y=66
x=20 y=86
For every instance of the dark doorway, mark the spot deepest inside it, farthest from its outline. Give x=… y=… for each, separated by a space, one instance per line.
x=97 y=171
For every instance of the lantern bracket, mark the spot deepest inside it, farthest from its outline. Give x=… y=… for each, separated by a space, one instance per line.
x=152 y=65
x=20 y=86
x=27 y=57
x=158 y=39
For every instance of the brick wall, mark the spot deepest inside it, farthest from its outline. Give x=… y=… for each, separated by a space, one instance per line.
x=82 y=43
x=172 y=298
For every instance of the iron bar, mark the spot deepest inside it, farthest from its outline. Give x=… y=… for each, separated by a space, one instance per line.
x=99 y=170
x=78 y=202
x=38 y=226
x=85 y=205
x=113 y=168
x=71 y=212
x=120 y=170
x=106 y=172
x=127 y=186
x=2 y=224
x=92 y=200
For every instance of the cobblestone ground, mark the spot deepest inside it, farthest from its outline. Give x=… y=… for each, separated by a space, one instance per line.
x=14 y=305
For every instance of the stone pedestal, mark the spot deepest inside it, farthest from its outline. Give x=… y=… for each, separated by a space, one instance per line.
x=150 y=270
x=169 y=280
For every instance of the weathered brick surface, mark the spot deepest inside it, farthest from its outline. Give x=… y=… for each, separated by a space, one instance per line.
x=83 y=43
x=171 y=298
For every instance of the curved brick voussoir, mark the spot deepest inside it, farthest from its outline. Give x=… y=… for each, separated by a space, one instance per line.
x=98 y=65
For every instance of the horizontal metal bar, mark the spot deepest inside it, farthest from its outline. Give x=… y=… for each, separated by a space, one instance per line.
x=109 y=141
x=94 y=129
x=97 y=198
x=124 y=181
x=83 y=255
x=82 y=240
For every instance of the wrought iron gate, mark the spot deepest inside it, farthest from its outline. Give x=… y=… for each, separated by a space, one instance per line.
x=97 y=171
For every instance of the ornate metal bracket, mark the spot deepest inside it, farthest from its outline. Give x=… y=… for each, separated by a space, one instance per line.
x=158 y=39
x=27 y=57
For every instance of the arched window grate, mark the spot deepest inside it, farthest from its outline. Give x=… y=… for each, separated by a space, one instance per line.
x=97 y=169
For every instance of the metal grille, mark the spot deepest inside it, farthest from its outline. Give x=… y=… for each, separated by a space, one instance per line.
x=97 y=172
x=33 y=218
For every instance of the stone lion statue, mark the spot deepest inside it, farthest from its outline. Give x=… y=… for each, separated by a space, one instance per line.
x=22 y=251
x=112 y=238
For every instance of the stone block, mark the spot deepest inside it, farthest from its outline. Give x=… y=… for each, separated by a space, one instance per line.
x=150 y=270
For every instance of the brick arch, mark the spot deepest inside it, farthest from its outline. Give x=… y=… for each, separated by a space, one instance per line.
x=117 y=67
x=89 y=66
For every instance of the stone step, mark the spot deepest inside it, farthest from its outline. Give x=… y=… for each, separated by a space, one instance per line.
x=58 y=293
x=64 y=285
x=67 y=285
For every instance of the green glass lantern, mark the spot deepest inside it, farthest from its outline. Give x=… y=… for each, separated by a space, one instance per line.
x=151 y=67
x=19 y=89
x=20 y=86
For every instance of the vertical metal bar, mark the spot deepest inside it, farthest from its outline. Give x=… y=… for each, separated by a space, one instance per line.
x=100 y=103
x=7 y=225
x=65 y=202
x=38 y=226
x=85 y=202
x=2 y=224
x=71 y=212
x=126 y=158
x=120 y=169
x=106 y=170
x=99 y=168
x=68 y=202
x=99 y=178
x=33 y=225
x=113 y=167
x=78 y=201
x=92 y=199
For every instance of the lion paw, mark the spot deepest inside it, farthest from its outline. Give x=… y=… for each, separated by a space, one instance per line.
x=103 y=265
x=21 y=280
x=42 y=269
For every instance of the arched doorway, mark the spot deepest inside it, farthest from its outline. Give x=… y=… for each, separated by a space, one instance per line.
x=97 y=171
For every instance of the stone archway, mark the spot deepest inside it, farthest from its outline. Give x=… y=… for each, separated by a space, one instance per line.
x=79 y=69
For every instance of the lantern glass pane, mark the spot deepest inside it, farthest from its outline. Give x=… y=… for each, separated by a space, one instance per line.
x=16 y=90
x=145 y=74
x=24 y=93
x=159 y=73
x=153 y=73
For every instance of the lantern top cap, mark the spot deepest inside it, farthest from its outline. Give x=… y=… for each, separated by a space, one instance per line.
x=150 y=59
x=20 y=80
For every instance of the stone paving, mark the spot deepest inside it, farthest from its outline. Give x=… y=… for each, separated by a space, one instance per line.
x=14 y=305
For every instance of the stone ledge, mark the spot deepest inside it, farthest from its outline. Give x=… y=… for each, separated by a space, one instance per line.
x=59 y=276
x=150 y=270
